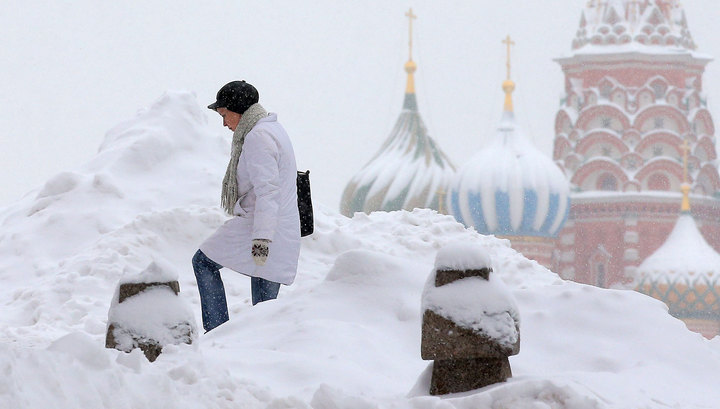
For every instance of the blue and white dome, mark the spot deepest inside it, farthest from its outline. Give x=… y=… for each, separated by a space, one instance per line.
x=511 y=188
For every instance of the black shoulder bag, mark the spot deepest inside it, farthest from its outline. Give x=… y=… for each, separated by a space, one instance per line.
x=307 y=224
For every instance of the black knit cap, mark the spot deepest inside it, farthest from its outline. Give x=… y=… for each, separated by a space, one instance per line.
x=235 y=96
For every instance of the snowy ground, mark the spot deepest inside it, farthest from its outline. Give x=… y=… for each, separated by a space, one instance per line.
x=345 y=335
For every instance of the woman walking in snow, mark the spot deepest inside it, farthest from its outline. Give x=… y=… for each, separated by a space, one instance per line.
x=262 y=239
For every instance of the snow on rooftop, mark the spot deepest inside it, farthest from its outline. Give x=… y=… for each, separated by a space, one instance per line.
x=635 y=48
x=685 y=255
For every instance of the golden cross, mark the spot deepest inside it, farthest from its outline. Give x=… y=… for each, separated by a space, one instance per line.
x=634 y=10
x=507 y=41
x=410 y=17
x=685 y=148
x=666 y=6
x=685 y=187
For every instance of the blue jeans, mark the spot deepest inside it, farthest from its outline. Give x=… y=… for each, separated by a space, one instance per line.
x=212 y=290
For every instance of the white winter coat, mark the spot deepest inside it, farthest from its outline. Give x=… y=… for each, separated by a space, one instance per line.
x=266 y=209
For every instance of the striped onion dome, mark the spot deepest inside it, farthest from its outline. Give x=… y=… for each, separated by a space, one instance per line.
x=409 y=171
x=684 y=272
x=510 y=188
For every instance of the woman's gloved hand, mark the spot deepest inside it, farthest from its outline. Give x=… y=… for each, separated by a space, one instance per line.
x=260 y=251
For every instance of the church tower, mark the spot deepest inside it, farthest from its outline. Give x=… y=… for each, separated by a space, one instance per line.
x=409 y=170
x=633 y=96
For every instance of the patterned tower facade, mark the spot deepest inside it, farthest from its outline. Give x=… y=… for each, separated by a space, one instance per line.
x=633 y=106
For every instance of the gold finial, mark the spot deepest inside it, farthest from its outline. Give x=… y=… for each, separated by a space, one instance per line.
x=685 y=187
x=508 y=85
x=634 y=12
x=410 y=66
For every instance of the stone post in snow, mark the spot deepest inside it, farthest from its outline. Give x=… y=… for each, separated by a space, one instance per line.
x=470 y=322
x=147 y=313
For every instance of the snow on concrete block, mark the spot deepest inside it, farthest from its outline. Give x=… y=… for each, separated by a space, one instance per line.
x=149 y=314
x=471 y=323
x=462 y=256
x=156 y=271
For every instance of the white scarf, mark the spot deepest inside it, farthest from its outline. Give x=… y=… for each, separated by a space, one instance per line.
x=230 y=185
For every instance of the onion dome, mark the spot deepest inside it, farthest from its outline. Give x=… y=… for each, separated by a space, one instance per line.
x=684 y=273
x=510 y=188
x=624 y=22
x=409 y=171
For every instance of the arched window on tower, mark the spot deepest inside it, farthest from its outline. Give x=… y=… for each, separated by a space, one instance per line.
x=659 y=122
x=605 y=90
x=599 y=267
x=658 y=181
x=607 y=182
x=659 y=89
x=600 y=274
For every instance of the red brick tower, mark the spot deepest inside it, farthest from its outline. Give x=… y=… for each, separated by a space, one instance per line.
x=633 y=102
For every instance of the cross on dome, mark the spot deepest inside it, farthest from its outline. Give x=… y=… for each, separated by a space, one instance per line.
x=508 y=85
x=410 y=170
x=410 y=66
x=410 y=17
x=685 y=187
x=685 y=147
x=509 y=42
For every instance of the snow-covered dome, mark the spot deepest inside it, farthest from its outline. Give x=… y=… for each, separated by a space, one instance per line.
x=685 y=256
x=511 y=188
x=625 y=22
x=684 y=273
x=410 y=171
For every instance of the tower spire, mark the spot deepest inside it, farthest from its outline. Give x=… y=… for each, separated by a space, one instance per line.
x=508 y=85
x=410 y=17
x=685 y=187
x=410 y=66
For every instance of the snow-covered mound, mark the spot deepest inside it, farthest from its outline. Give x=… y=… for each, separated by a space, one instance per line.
x=345 y=335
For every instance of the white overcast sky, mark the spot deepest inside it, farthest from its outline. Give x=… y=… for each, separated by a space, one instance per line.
x=333 y=70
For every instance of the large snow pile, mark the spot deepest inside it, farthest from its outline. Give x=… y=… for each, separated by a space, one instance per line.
x=345 y=335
